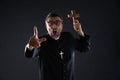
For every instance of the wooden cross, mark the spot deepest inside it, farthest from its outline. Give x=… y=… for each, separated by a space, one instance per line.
x=73 y=15
x=61 y=54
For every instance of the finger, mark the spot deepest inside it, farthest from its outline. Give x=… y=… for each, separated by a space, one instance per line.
x=35 y=32
x=33 y=40
x=76 y=25
x=73 y=19
x=34 y=44
x=42 y=40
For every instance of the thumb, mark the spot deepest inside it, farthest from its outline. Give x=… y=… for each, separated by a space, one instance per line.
x=35 y=32
x=42 y=40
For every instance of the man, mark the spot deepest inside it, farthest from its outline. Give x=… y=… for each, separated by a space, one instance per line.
x=55 y=50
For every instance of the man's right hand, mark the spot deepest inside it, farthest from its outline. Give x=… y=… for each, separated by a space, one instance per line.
x=34 y=41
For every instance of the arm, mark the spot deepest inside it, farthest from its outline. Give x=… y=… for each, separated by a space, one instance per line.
x=31 y=49
x=28 y=52
x=83 y=43
x=31 y=53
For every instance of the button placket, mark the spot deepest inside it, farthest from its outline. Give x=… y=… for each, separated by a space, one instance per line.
x=64 y=73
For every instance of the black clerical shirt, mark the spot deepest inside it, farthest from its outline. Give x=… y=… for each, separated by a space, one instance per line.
x=56 y=66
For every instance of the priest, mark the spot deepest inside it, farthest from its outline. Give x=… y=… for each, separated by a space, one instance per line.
x=56 y=49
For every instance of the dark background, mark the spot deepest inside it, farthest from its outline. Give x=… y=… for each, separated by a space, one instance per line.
x=99 y=18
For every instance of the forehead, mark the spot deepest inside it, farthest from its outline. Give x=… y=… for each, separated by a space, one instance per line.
x=54 y=19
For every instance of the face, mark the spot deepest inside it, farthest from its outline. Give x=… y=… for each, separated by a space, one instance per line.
x=54 y=26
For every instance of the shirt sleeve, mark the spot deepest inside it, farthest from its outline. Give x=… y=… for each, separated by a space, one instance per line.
x=30 y=53
x=83 y=43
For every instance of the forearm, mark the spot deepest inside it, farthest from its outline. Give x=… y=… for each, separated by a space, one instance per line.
x=83 y=43
x=28 y=51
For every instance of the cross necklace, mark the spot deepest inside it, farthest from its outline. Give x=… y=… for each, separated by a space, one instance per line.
x=61 y=54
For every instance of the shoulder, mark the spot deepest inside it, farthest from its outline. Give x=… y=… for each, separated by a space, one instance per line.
x=66 y=34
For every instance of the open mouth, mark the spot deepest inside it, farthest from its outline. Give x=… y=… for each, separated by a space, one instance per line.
x=54 y=32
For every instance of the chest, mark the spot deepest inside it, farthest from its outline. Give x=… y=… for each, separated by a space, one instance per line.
x=53 y=48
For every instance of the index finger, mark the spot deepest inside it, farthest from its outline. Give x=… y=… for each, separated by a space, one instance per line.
x=35 y=32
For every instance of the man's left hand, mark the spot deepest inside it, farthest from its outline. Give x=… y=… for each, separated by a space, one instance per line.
x=77 y=27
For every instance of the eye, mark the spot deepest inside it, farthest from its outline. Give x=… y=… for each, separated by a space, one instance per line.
x=57 y=22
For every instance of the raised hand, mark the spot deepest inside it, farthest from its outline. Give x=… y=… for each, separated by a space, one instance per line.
x=76 y=23
x=77 y=27
x=34 y=41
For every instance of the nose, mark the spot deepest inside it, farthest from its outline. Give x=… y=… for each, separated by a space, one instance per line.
x=54 y=26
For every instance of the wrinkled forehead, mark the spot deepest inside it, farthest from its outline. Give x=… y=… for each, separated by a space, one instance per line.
x=54 y=19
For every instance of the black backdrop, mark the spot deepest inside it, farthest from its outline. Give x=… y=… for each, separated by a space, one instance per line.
x=99 y=18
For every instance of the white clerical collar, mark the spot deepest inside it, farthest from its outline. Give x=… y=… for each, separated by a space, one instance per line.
x=56 y=38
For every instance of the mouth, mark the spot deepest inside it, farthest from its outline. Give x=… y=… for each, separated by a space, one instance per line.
x=54 y=32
